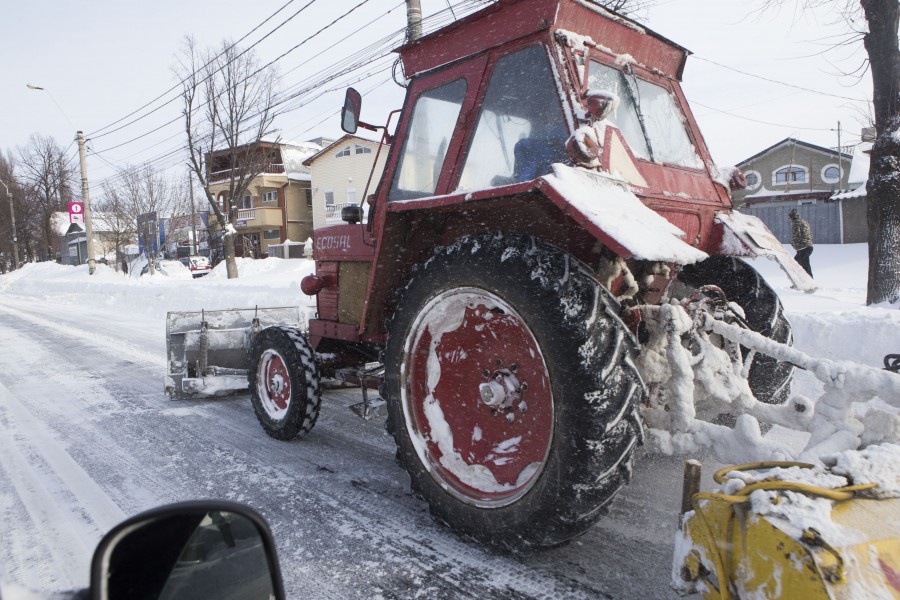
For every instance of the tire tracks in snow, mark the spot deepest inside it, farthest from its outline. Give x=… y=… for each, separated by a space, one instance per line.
x=108 y=345
x=46 y=479
x=344 y=520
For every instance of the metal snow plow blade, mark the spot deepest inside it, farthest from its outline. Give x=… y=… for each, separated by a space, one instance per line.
x=208 y=351
x=790 y=530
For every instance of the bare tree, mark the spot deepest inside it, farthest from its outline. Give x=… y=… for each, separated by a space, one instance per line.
x=142 y=191
x=879 y=38
x=48 y=184
x=114 y=208
x=228 y=108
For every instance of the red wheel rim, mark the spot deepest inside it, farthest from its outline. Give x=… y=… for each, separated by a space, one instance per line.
x=273 y=383
x=463 y=341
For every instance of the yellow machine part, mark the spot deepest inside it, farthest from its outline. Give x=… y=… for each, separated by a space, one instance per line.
x=738 y=554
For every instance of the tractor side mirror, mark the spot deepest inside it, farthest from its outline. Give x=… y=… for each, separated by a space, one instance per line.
x=205 y=549
x=350 y=112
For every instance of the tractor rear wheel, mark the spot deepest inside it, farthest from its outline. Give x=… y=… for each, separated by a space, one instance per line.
x=512 y=394
x=284 y=382
x=770 y=380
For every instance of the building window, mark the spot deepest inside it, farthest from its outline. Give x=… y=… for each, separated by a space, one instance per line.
x=308 y=194
x=351 y=196
x=363 y=150
x=753 y=179
x=831 y=174
x=270 y=197
x=329 y=204
x=790 y=174
x=272 y=234
x=344 y=152
x=247 y=202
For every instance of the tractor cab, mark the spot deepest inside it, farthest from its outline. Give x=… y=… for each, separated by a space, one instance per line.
x=494 y=101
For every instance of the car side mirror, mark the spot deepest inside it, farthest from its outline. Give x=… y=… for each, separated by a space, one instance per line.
x=196 y=550
x=351 y=111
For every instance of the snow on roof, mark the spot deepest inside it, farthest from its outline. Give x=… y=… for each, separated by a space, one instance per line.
x=859 y=168
x=859 y=192
x=859 y=173
x=293 y=156
x=101 y=222
x=766 y=193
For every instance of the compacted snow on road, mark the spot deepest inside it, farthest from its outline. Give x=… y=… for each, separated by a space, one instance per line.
x=88 y=438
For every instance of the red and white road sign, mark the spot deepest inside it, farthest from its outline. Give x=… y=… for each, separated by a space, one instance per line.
x=76 y=212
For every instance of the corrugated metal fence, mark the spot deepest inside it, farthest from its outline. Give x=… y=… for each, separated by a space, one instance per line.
x=824 y=219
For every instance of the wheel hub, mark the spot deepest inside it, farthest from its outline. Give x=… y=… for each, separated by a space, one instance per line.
x=275 y=384
x=503 y=391
x=468 y=356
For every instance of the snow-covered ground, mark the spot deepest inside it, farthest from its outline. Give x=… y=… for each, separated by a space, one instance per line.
x=88 y=438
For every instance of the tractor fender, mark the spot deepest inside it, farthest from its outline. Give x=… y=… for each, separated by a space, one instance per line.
x=611 y=212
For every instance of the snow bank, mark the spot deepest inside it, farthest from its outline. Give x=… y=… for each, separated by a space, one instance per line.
x=266 y=282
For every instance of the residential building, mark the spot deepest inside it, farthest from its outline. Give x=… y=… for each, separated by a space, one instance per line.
x=796 y=174
x=340 y=172
x=188 y=234
x=108 y=232
x=278 y=203
x=853 y=201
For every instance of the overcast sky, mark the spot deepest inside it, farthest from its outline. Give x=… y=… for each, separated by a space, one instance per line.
x=103 y=59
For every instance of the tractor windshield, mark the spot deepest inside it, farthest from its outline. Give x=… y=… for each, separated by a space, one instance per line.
x=521 y=130
x=647 y=116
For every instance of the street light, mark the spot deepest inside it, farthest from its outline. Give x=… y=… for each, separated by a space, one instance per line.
x=12 y=215
x=85 y=195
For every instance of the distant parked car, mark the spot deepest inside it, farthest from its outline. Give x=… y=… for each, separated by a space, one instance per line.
x=169 y=268
x=198 y=265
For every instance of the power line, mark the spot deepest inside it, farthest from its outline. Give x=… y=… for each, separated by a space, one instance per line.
x=770 y=80
x=96 y=134
x=725 y=112
x=364 y=57
x=178 y=118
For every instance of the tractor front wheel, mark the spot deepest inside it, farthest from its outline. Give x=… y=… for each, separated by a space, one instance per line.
x=512 y=394
x=284 y=382
x=770 y=380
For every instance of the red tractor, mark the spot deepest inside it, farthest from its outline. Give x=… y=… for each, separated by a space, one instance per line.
x=545 y=177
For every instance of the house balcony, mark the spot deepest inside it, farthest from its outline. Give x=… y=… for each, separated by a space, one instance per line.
x=258 y=218
x=223 y=176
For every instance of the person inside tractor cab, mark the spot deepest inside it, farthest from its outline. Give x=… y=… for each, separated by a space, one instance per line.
x=520 y=130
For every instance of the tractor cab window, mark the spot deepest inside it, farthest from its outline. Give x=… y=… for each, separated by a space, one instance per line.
x=433 y=121
x=520 y=130
x=647 y=116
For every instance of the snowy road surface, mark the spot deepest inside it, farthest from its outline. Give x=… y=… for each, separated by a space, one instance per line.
x=89 y=438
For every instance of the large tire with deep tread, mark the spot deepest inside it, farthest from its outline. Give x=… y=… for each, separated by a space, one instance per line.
x=284 y=382
x=515 y=296
x=770 y=380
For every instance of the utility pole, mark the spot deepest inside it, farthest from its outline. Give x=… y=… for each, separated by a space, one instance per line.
x=193 y=217
x=12 y=218
x=840 y=158
x=85 y=197
x=413 y=20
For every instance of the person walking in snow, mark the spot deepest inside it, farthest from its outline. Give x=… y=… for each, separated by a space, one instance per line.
x=801 y=240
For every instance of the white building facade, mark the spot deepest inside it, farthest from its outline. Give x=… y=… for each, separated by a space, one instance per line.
x=339 y=174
